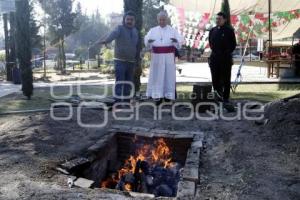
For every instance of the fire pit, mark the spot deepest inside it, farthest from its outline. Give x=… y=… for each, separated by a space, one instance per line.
x=137 y=160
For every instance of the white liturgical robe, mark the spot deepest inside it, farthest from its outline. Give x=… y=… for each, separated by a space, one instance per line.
x=162 y=78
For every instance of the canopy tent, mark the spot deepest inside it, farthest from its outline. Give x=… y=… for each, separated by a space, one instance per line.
x=193 y=17
x=250 y=18
x=237 y=6
x=297 y=34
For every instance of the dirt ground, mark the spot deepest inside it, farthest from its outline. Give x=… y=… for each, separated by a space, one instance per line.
x=241 y=159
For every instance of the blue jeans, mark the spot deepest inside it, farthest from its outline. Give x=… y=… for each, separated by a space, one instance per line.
x=123 y=72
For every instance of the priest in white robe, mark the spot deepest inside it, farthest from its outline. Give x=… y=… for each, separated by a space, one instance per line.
x=163 y=41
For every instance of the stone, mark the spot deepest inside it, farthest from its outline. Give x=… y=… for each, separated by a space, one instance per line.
x=145 y=134
x=71 y=180
x=61 y=170
x=162 y=135
x=112 y=130
x=121 y=127
x=72 y=164
x=197 y=144
x=98 y=146
x=186 y=190
x=197 y=133
x=193 y=157
x=140 y=129
x=178 y=133
x=141 y=195
x=102 y=143
x=191 y=173
x=198 y=137
x=83 y=183
x=192 y=162
x=185 y=136
x=158 y=131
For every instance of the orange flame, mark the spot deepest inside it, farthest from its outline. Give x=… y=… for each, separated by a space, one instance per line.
x=159 y=155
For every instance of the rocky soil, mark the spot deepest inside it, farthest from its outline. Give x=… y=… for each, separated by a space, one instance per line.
x=241 y=160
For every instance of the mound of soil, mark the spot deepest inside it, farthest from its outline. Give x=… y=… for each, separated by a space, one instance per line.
x=284 y=116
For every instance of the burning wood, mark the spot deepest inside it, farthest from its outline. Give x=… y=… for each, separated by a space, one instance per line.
x=150 y=170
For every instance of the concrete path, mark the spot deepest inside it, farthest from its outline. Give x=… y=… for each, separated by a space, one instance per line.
x=200 y=72
x=191 y=73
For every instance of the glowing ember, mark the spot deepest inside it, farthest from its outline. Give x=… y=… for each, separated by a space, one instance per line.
x=128 y=187
x=157 y=155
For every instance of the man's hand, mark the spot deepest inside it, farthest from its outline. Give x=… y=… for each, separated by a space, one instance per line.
x=104 y=43
x=150 y=41
x=100 y=43
x=174 y=40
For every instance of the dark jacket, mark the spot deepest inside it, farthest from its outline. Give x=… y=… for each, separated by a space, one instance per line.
x=126 y=41
x=222 y=42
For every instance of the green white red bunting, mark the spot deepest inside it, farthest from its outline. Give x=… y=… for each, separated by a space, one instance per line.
x=195 y=26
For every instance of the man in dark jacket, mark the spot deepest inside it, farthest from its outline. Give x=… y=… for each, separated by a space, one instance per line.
x=222 y=43
x=126 y=40
x=296 y=53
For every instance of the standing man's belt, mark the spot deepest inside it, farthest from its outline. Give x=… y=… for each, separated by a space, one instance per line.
x=160 y=50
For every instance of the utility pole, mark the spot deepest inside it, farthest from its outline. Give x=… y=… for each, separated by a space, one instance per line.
x=270 y=27
x=45 y=49
x=89 y=49
x=45 y=71
x=5 y=22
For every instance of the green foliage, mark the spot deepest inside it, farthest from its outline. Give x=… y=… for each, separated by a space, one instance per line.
x=61 y=23
x=36 y=39
x=226 y=9
x=23 y=40
x=108 y=54
x=81 y=52
x=61 y=18
x=2 y=57
x=91 y=29
x=1 y=37
x=150 y=10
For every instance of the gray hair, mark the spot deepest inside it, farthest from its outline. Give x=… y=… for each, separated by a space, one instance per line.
x=162 y=13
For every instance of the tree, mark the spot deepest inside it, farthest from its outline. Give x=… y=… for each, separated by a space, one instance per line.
x=91 y=29
x=226 y=9
x=23 y=41
x=150 y=10
x=137 y=7
x=61 y=24
x=36 y=39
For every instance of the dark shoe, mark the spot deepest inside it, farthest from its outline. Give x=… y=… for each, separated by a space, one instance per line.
x=167 y=100
x=229 y=107
x=218 y=97
x=158 y=101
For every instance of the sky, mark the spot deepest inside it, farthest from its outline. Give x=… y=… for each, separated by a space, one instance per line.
x=105 y=6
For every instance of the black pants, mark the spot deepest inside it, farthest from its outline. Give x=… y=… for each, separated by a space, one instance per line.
x=297 y=68
x=221 y=76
